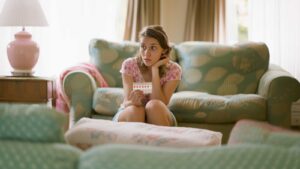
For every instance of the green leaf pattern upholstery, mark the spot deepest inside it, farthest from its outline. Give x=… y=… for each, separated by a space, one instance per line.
x=221 y=70
x=79 y=87
x=280 y=89
x=108 y=58
x=199 y=107
x=108 y=100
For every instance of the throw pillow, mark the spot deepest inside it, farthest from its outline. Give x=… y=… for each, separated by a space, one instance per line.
x=89 y=132
x=250 y=131
x=35 y=122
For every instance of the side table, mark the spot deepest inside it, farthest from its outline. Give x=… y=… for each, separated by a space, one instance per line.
x=27 y=90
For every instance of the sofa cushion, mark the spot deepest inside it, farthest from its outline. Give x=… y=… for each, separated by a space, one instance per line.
x=91 y=132
x=198 y=107
x=108 y=57
x=27 y=155
x=36 y=123
x=263 y=133
x=224 y=157
x=222 y=69
x=107 y=100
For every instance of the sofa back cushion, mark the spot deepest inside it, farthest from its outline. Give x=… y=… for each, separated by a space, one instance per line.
x=35 y=123
x=222 y=69
x=108 y=57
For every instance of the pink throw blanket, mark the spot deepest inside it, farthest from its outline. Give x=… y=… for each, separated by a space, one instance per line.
x=62 y=101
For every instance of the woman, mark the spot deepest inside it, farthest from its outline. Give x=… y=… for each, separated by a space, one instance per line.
x=151 y=64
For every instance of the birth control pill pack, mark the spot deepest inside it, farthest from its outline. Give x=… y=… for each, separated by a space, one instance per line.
x=146 y=87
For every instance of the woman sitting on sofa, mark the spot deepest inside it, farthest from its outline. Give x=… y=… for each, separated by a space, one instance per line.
x=151 y=64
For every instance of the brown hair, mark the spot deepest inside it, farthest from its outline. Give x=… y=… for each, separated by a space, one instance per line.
x=156 y=32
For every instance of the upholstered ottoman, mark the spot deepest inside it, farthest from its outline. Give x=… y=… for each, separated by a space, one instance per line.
x=89 y=132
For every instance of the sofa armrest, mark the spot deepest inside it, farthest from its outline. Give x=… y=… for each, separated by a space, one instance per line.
x=280 y=89
x=79 y=87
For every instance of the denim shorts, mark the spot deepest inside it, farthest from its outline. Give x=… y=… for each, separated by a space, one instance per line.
x=120 y=111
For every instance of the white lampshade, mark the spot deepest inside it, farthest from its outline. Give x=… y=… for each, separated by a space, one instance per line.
x=22 y=13
x=23 y=53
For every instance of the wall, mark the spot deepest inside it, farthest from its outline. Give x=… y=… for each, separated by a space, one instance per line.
x=173 y=14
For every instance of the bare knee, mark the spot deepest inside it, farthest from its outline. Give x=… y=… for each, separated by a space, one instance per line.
x=132 y=114
x=153 y=104
x=158 y=113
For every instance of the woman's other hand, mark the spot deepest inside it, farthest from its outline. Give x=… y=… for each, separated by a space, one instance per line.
x=137 y=97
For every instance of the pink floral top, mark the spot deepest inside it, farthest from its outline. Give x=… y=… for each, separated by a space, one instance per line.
x=130 y=67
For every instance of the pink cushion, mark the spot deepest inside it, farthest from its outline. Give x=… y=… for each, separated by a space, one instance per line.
x=89 y=132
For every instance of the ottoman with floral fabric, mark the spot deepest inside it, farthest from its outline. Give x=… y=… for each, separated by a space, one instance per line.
x=91 y=132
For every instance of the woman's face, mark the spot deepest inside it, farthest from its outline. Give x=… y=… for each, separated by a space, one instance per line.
x=150 y=50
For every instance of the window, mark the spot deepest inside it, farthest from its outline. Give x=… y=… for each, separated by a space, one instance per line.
x=72 y=24
x=273 y=22
x=237 y=20
x=242 y=18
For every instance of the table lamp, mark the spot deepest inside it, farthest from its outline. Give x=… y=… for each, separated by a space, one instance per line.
x=23 y=53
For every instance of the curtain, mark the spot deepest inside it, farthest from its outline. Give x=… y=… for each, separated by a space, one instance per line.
x=277 y=23
x=205 y=21
x=140 y=13
x=72 y=24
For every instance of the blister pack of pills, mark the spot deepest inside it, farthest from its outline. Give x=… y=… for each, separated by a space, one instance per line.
x=146 y=87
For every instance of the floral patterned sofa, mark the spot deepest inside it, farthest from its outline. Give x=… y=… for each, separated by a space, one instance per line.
x=221 y=84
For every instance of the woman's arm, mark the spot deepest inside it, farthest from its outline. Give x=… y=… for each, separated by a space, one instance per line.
x=164 y=92
x=127 y=85
x=169 y=88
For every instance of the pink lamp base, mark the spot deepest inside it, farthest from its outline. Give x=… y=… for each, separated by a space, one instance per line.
x=22 y=54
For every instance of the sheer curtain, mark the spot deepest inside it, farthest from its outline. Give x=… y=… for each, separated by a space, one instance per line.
x=277 y=23
x=72 y=24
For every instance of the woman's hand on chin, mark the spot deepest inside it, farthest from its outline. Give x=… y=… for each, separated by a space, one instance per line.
x=161 y=62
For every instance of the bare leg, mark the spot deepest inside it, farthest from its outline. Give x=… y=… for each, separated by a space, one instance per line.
x=158 y=113
x=133 y=114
